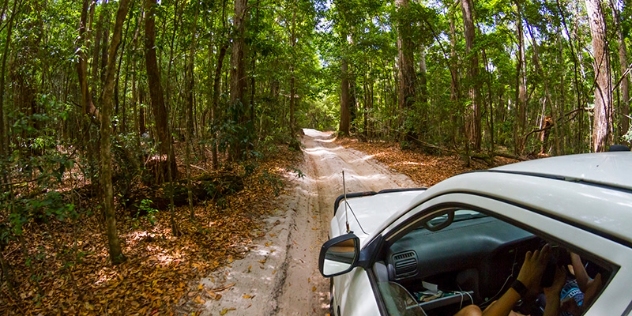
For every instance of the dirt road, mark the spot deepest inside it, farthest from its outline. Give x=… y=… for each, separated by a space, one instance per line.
x=280 y=275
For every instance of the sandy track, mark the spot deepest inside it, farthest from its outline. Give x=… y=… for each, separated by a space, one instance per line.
x=280 y=275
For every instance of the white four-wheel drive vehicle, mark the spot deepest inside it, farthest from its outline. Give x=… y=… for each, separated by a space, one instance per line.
x=463 y=241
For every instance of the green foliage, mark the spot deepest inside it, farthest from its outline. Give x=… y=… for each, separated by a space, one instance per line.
x=148 y=211
x=299 y=173
x=628 y=136
x=249 y=168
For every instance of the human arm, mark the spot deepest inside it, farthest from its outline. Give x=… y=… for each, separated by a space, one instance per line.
x=552 y=293
x=529 y=275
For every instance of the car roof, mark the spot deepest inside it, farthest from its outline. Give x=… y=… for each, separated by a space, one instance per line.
x=613 y=169
x=591 y=191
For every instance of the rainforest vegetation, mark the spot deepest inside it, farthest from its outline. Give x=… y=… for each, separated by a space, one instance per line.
x=114 y=110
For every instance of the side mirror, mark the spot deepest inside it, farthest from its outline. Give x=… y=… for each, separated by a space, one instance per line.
x=339 y=255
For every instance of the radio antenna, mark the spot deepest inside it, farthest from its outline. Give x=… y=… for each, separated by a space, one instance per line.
x=344 y=189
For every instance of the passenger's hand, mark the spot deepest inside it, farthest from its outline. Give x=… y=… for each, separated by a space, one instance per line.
x=553 y=292
x=533 y=267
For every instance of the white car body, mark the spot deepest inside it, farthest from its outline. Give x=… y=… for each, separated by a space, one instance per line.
x=584 y=200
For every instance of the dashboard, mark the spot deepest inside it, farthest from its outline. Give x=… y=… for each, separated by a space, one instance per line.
x=476 y=256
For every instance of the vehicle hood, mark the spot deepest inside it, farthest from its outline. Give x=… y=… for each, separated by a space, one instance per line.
x=367 y=213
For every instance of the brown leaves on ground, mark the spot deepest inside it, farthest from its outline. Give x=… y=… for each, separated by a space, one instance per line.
x=65 y=266
x=422 y=168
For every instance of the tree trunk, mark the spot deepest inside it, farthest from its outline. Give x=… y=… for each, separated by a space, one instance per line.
x=98 y=43
x=155 y=88
x=343 y=127
x=5 y=54
x=423 y=80
x=116 y=255
x=82 y=66
x=576 y=56
x=405 y=60
x=190 y=84
x=624 y=86
x=521 y=85
x=238 y=79
x=603 y=116
x=353 y=103
x=117 y=111
x=473 y=120
x=217 y=81
x=292 y=76
x=454 y=78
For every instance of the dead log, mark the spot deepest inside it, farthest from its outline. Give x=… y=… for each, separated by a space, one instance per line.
x=203 y=188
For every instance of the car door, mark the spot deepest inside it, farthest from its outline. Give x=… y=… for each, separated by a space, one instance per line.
x=356 y=295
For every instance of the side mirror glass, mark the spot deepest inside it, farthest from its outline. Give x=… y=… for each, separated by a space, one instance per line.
x=339 y=255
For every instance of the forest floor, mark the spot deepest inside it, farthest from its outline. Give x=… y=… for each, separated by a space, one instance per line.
x=280 y=276
x=254 y=255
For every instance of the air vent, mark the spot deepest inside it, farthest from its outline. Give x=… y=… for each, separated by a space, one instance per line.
x=405 y=264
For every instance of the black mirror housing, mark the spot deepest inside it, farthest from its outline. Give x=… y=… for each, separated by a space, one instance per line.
x=339 y=255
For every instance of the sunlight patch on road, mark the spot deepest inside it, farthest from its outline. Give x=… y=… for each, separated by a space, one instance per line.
x=321 y=151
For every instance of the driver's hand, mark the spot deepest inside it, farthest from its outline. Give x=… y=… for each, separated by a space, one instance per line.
x=533 y=267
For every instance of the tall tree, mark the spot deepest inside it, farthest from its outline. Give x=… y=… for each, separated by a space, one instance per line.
x=345 y=98
x=82 y=66
x=603 y=116
x=521 y=82
x=405 y=60
x=473 y=121
x=292 y=73
x=155 y=91
x=107 y=104
x=624 y=81
x=3 y=68
x=238 y=79
x=454 y=76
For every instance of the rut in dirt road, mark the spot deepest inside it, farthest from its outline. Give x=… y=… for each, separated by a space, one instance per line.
x=305 y=291
x=280 y=276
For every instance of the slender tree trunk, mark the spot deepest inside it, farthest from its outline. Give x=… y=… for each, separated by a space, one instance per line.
x=118 y=78
x=405 y=60
x=292 y=102
x=155 y=87
x=353 y=102
x=238 y=77
x=116 y=254
x=603 y=116
x=473 y=127
x=343 y=127
x=454 y=78
x=176 y=22
x=5 y=55
x=98 y=44
x=292 y=76
x=577 y=64
x=159 y=109
x=217 y=83
x=423 y=80
x=190 y=84
x=547 y=92
x=105 y=44
x=521 y=85
x=624 y=86
x=253 y=65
